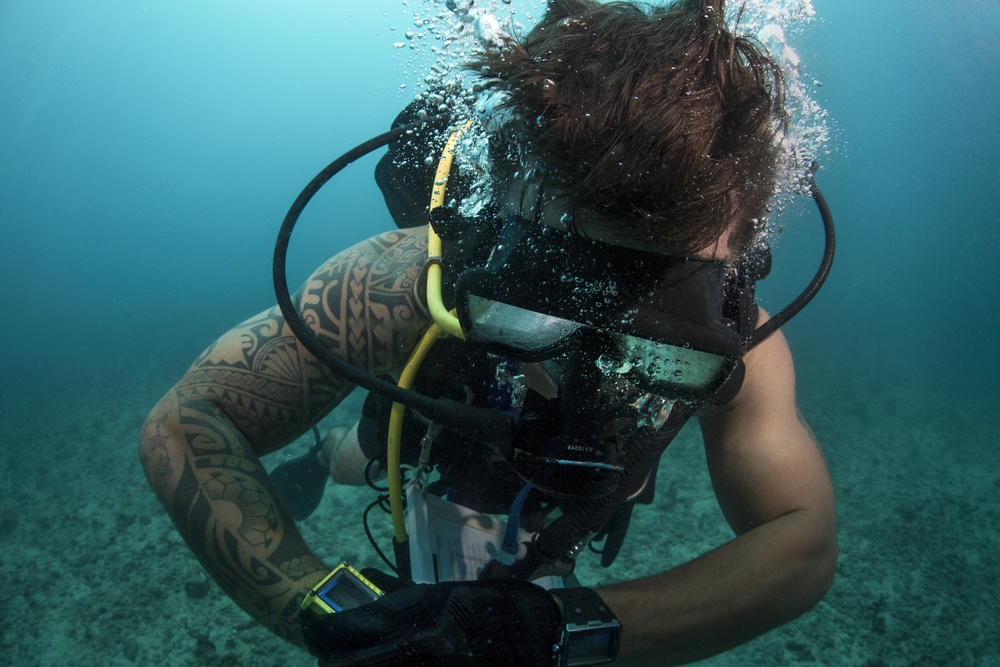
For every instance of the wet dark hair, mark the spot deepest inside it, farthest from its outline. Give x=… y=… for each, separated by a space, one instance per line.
x=659 y=116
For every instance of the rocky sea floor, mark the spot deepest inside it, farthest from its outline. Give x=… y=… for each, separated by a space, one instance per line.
x=93 y=573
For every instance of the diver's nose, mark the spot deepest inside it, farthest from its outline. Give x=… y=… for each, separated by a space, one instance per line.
x=537 y=379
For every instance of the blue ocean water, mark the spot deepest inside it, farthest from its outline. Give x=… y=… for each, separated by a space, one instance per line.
x=149 y=150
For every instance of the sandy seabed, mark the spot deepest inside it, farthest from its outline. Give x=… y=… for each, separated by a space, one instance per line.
x=92 y=571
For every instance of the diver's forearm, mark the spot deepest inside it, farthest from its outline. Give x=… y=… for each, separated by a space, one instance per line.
x=726 y=597
x=221 y=500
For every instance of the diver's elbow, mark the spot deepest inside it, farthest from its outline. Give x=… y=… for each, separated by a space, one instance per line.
x=820 y=570
x=828 y=568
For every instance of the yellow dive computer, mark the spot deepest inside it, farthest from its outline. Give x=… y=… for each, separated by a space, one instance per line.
x=344 y=588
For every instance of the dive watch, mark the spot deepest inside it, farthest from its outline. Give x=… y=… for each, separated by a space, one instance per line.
x=344 y=588
x=591 y=632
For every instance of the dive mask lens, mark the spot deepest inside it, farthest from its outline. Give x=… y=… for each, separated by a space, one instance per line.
x=663 y=368
x=667 y=369
x=514 y=329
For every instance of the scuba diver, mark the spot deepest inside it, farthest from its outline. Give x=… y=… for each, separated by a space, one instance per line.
x=573 y=279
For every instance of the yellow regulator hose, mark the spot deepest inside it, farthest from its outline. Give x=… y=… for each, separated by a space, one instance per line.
x=445 y=323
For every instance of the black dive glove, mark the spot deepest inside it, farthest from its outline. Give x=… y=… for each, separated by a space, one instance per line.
x=455 y=624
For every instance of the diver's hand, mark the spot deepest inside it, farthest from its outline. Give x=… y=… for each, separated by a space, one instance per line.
x=460 y=623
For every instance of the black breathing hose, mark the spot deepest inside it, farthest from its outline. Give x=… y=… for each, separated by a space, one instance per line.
x=799 y=302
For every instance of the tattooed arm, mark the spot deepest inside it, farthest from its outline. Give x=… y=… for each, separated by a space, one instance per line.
x=256 y=390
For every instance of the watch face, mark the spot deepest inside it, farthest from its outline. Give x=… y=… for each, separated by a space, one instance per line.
x=592 y=645
x=347 y=589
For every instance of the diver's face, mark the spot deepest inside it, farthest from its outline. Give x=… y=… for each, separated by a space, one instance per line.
x=537 y=378
x=597 y=325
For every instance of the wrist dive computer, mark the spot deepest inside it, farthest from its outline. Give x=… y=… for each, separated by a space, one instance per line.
x=344 y=588
x=591 y=632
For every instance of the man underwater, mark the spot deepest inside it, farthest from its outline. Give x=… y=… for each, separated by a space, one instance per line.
x=602 y=288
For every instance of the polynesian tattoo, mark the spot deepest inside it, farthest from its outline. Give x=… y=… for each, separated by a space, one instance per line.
x=257 y=389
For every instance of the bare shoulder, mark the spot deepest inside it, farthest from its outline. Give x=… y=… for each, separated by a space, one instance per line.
x=769 y=380
x=762 y=455
x=362 y=305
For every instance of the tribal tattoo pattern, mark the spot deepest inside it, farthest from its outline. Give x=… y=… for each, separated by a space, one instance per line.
x=255 y=390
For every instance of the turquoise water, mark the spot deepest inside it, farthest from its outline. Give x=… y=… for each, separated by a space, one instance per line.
x=149 y=150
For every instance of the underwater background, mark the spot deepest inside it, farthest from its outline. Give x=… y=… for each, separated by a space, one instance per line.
x=149 y=151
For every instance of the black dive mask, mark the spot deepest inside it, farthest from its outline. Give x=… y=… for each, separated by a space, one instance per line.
x=543 y=292
x=621 y=333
